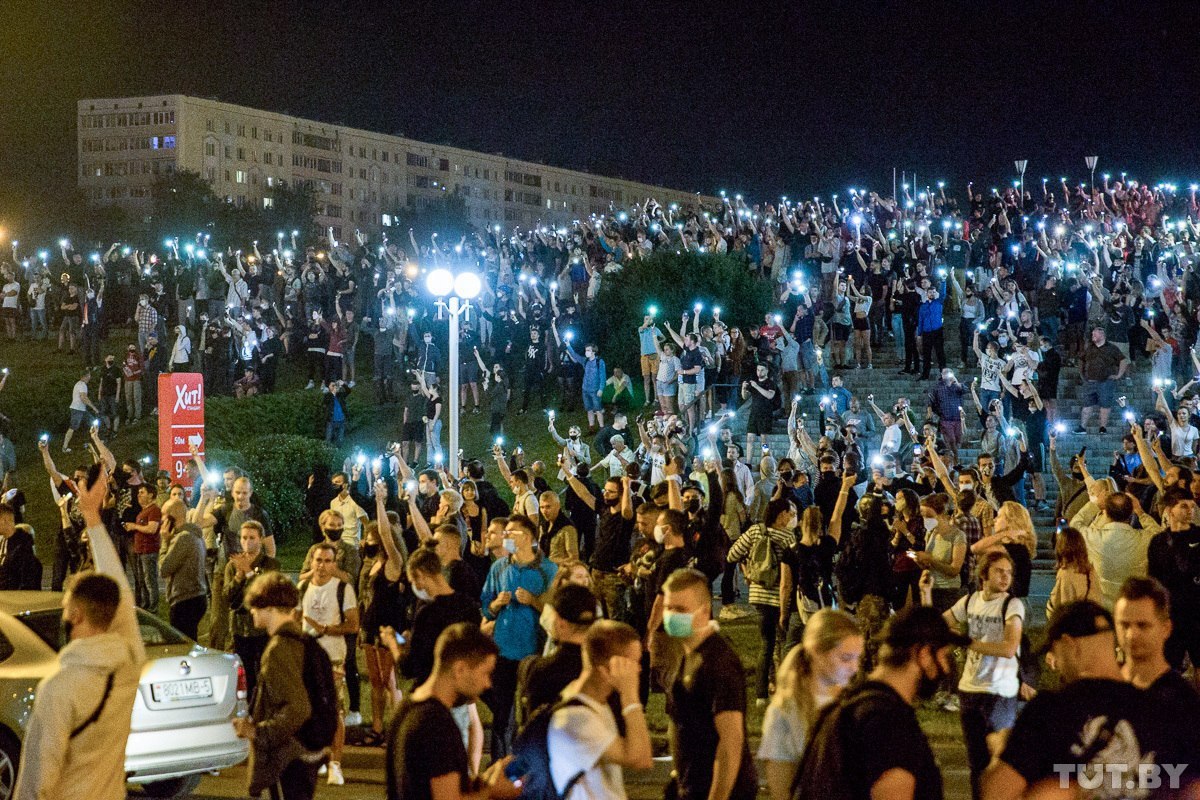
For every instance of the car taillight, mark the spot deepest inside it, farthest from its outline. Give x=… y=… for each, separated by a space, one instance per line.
x=242 y=691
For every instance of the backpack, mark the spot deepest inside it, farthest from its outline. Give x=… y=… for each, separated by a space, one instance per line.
x=317 y=731
x=531 y=755
x=761 y=564
x=1029 y=669
x=858 y=565
x=822 y=773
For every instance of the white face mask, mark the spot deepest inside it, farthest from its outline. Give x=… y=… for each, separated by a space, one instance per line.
x=930 y=524
x=966 y=487
x=422 y=594
x=660 y=535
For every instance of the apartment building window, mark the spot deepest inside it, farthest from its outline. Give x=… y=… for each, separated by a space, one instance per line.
x=254 y=133
x=208 y=125
x=414 y=160
x=267 y=159
x=268 y=202
x=210 y=148
x=241 y=154
x=228 y=151
x=210 y=174
x=444 y=164
x=226 y=127
x=242 y=131
x=385 y=156
x=270 y=181
x=227 y=176
x=240 y=176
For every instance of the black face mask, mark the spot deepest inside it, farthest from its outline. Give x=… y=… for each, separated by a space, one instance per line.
x=333 y=535
x=612 y=502
x=692 y=506
x=927 y=687
x=370 y=550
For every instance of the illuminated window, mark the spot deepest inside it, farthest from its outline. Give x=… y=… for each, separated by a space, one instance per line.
x=240 y=176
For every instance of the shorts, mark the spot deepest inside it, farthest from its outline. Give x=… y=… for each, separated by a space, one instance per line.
x=997 y=713
x=666 y=388
x=1098 y=393
x=591 y=401
x=78 y=420
x=760 y=424
x=413 y=432
x=808 y=356
x=649 y=366
x=468 y=371
x=862 y=324
x=687 y=394
x=840 y=332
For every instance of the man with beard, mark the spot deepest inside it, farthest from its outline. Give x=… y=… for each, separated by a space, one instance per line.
x=914 y=658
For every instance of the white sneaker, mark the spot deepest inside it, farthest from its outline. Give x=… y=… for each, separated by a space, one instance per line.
x=322 y=770
x=353 y=718
x=335 y=774
x=310 y=385
x=350 y=384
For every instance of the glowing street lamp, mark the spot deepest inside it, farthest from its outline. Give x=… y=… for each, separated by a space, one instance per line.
x=454 y=293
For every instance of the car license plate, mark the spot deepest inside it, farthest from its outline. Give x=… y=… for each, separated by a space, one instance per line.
x=174 y=691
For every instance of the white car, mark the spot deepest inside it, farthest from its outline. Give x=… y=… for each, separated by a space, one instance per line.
x=182 y=715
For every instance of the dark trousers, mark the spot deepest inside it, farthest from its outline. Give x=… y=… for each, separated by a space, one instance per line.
x=912 y=359
x=250 y=649
x=966 y=336
x=981 y=714
x=768 y=626
x=729 y=584
x=186 y=615
x=535 y=381
x=353 y=682
x=298 y=782
x=500 y=700
x=932 y=342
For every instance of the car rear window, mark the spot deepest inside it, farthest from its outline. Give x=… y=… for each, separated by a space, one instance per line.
x=48 y=627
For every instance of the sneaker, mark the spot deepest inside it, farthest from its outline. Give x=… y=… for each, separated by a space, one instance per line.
x=335 y=774
x=475 y=410
x=350 y=384
x=1081 y=430
x=310 y=385
x=353 y=718
x=870 y=366
x=951 y=704
x=67 y=450
x=760 y=702
x=1103 y=429
x=322 y=770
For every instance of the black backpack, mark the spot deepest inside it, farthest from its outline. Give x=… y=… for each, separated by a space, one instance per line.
x=531 y=755
x=317 y=731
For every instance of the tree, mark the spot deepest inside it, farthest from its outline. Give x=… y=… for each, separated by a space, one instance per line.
x=184 y=202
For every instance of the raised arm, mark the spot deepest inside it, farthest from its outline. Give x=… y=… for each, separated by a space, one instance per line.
x=394 y=567
x=839 y=508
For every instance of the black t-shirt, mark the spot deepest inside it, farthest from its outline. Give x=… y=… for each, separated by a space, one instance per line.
x=463 y=580
x=878 y=732
x=1097 y=721
x=701 y=691
x=423 y=743
x=428 y=623
x=547 y=676
x=763 y=406
x=613 y=533
x=1174 y=559
x=690 y=359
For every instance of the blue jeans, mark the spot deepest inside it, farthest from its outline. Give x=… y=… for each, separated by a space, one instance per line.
x=435 y=440
x=145 y=566
x=335 y=432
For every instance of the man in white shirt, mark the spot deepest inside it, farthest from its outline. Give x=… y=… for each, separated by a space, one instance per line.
x=990 y=677
x=617 y=458
x=587 y=753
x=330 y=613
x=80 y=403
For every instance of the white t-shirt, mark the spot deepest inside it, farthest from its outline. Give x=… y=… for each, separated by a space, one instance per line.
x=576 y=739
x=1023 y=366
x=989 y=379
x=320 y=603
x=891 y=440
x=77 y=396
x=988 y=674
x=1183 y=441
x=12 y=300
x=785 y=732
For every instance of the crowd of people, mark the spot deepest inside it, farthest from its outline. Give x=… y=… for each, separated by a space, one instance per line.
x=868 y=546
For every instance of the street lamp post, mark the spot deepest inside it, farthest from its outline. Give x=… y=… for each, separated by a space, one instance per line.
x=454 y=294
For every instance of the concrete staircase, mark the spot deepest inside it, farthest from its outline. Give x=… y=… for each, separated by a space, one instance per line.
x=885 y=382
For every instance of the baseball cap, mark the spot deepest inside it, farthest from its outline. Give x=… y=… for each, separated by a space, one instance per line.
x=1078 y=619
x=921 y=625
x=575 y=604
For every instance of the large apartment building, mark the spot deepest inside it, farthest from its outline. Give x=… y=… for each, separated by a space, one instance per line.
x=362 y=179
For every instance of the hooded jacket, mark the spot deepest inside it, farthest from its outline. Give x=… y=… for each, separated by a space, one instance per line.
x=281 y=706
x=55 y=766
x=181 y=562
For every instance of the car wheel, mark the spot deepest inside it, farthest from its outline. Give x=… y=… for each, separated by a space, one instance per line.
x=172 y=789
x=10 y=757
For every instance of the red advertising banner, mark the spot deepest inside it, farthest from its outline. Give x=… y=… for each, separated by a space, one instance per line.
x=180 y=421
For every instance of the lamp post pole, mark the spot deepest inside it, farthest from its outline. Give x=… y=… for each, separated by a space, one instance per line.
x=455 y=309
x=454 y=294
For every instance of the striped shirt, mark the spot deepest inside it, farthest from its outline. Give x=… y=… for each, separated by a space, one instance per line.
x=781 y=540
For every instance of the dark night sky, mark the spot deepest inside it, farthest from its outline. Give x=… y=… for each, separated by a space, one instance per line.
x=793 y=98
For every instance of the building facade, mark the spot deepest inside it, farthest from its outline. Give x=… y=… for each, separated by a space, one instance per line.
x=361 y=179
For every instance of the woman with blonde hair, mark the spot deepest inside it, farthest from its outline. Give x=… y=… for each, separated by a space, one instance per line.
x=812 y=675
x=1076 y=578
x=1013 y=532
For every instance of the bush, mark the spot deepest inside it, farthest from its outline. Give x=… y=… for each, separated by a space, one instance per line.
x=673 y=282
x=228 y=420
x=282 y=462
